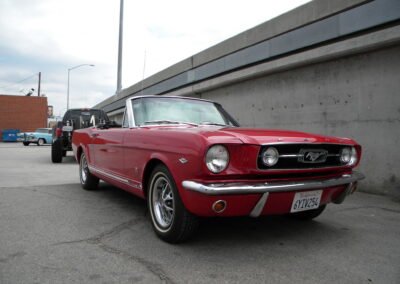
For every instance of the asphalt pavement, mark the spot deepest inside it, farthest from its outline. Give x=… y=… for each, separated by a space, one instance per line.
x=52 y=231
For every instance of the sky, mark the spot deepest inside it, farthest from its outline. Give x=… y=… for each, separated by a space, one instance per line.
x=51 y=36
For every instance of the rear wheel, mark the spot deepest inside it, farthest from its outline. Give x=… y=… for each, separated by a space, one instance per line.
x=309 y=214
x=25 y=143
x=56 y=151
x=169 y=217
x=41 y=142
x=88 y=181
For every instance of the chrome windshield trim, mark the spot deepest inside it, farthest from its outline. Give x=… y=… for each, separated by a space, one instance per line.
x=247 y=188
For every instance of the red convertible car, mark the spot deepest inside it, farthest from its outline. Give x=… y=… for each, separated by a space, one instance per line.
x=189 y=158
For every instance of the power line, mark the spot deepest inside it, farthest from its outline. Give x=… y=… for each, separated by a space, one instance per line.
x=18 y=82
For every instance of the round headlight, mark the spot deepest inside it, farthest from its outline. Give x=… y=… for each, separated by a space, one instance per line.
x=217 y=158
x=345 y=155
x=270 y=156
x=348 y=156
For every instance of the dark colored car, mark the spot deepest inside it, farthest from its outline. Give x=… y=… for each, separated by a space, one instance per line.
x=73 y=119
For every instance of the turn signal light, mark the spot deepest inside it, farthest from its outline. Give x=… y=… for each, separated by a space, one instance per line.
x=219 y=206
x=58 y=132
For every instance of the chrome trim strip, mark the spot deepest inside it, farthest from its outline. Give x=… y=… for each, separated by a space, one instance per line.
x=300 y=155
x=243 y=188
x=304 y=142
x=259 y=206
x=290 y=156
x=94 y=169
x=116 y=177
x=307 y=169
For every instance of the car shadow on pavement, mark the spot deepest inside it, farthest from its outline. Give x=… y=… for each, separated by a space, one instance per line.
x=274 y=229
x=70 y=159
x=119 y=198
x=235 y=230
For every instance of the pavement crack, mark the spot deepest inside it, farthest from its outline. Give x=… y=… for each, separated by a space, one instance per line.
x=154 y=268
x=37 y=190
x=371 y=207
x=109 y=233
x=12 y=256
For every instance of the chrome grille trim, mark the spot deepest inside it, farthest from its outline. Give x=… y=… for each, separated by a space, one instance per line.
x=292 y=156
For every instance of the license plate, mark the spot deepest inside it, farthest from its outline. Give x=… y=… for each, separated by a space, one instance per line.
x=307 y=200
x=67 y=128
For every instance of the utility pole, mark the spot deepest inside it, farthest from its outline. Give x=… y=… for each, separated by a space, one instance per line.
x=40 y=79
x=121 y=24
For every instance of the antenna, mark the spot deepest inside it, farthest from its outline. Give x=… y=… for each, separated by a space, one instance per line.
x=144 y=69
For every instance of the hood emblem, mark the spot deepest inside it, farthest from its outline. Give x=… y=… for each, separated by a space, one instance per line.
x=312 y=156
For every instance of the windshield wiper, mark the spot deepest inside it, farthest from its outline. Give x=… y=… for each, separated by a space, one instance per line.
x=214 y=123
x=169 y=122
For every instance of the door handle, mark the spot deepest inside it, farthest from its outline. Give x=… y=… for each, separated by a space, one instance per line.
x=94 y=135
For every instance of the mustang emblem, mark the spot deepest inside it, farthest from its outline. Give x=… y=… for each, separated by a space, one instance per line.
x=313 y=156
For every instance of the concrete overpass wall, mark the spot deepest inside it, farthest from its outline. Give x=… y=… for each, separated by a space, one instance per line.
x=356 y=97
x=329 y=67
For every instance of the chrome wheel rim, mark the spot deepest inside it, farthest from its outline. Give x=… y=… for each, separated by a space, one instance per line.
x=84 y=169
x=162 y=201
x=40 y=142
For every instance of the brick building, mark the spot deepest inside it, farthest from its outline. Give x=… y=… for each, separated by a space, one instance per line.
x=22 y=112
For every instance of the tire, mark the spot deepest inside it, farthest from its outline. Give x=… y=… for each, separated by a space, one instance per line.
x=56 y=151
x=64 y=153
x=88 y=181
x=309 y=214
x=25 y=143
x=169 y=217
x=41 y=142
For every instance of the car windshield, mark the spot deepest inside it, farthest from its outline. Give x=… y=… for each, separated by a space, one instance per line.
x=153 y=110
x=42 y=130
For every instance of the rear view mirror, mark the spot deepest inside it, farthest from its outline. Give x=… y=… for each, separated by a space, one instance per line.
x=108 y=124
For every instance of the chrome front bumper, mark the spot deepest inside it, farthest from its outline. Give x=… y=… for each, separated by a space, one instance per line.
x=244 y=188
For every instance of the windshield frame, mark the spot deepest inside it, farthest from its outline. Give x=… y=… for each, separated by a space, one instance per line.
x=229 y=120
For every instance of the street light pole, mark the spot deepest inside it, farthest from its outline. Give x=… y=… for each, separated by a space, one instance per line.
x=120 y=43
x=69 y=70
x=39 y=82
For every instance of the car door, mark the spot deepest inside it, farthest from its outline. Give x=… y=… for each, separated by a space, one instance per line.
x=48 y=136
x=108 y=151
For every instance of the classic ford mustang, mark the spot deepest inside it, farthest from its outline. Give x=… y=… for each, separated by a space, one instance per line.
x=189 y=158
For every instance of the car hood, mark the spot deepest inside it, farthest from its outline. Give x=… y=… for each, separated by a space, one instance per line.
x=261 y=136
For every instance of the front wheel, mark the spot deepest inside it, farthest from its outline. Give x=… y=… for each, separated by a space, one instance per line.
x=169 y=217
x=41 y=142
x=88 y=181
x=56 y=151
x=309 y=214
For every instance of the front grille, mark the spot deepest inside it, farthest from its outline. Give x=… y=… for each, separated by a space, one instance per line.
x=304 y=156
